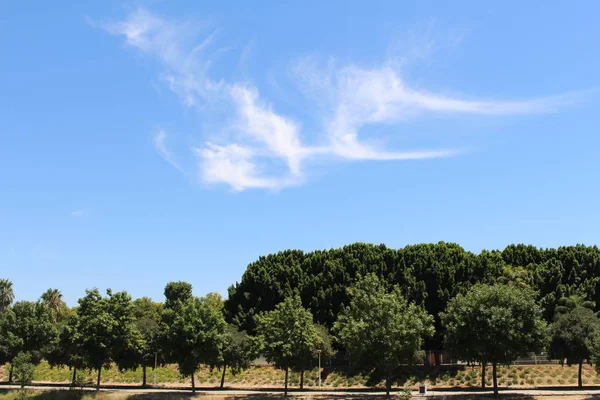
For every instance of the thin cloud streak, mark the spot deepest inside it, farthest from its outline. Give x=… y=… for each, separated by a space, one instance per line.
x=160 y=145
x=257 y=140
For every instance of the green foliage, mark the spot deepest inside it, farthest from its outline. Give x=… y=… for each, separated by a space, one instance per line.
x=105 y=331
x=238 y=351
x=177 y=292
x=58 y=309
x=7 y=295
x=9 y=342
x=94 y=330
x=428 y=274
x=23 y=368
x=127 y=343
x=116 y=330
x=494 y=324
x=381 y=329
x=288 y=336
x=572 y=335
x=65 y=350
x=148 y=317
x=29 y=329
x=567 y=304
x=193 y=329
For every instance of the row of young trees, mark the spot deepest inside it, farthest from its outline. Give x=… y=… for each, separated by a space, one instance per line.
x=383 y=307
x=379 y=328
x=114 y=329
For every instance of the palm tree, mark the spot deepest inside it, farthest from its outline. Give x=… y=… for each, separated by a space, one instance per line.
x=53 y=299
x=6 y=294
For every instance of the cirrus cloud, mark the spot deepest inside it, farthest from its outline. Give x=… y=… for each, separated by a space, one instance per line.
x=257 y=146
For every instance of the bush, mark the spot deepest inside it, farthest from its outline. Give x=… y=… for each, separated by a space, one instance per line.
x=404 y=394
x=23 y=369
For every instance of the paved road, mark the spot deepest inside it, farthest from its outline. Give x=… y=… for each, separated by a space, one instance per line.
x=435 y=393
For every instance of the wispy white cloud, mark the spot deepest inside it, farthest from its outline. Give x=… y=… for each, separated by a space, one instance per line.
x=237 y=166
x=259 y=147
x=358 y=97
x=78 y=213
x=160 y=145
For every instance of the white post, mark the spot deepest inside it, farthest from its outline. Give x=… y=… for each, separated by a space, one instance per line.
x=155 y=360
x=319 y=351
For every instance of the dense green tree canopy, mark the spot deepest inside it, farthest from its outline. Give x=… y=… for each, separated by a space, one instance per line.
x=428 y=274
x=380 y=329
x=191 y=331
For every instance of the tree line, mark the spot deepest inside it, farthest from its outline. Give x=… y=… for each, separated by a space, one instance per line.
x=382 y=306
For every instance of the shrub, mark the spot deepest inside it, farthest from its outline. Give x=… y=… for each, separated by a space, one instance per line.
x=23 y=369
x=404 y=394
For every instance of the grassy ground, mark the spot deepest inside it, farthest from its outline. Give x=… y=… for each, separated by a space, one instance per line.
x=264 y=376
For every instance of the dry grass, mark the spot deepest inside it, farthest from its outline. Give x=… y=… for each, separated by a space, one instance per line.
x=268 y=377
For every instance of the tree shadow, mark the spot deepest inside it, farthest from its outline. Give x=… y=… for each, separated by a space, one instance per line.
x=204 y=396
x=49 y=394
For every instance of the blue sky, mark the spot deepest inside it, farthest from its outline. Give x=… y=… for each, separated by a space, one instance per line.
x=145 y=142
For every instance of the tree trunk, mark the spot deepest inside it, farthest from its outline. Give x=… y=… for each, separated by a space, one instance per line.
x=579 y=381
x=74 y=376
x=144 y=374
x=495 y=377
x=10 y=374
x=438 y=358
x=285 y=390
x=193 y=383
x=223 y=376
x=483 y=365
x=302 y=379
x=99 y=375
x=388 y=386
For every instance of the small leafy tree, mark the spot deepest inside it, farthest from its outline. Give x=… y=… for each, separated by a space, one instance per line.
x=148 y=317
x=9 y=342
x=127 y=341
x=494 y=325
x=66 y=350
x=287 y=335
x=238 y=351
x=94 y=332
x=572 y=335
x=193 y=329
x=26 y=327
x=106 y=331
x=23 y=368
x=33 y=329
x=381 y=329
